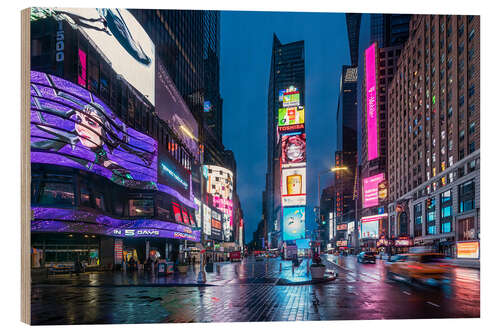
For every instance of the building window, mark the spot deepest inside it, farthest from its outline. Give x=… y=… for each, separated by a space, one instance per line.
x=466 y=229
x=141 y=207
x=472 y=128
x=61 y=194
x=466 y=194
x=472 y=147
x=85 y=196
x=418 y=220
x=431 y=216
x=446 y=211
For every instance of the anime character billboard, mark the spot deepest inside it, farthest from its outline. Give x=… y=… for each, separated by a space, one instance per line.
x=72 y=127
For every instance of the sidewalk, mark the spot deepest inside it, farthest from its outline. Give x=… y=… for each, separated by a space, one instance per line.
x=246 y=272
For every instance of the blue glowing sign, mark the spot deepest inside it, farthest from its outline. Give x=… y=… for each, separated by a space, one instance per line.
x=294 y=222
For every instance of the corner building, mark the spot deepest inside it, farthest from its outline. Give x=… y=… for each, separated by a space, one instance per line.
x=434 y=139
x=287 y=69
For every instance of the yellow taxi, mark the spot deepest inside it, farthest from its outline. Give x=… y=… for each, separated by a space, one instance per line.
x=425 y=268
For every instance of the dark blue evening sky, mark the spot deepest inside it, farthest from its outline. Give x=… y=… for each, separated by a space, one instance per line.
x=246 y=43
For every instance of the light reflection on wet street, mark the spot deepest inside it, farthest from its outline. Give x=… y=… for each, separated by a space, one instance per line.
x=251 y=291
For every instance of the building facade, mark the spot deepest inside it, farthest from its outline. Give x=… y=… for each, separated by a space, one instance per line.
x=434 y=137
x=388 y=35
x=287 y=70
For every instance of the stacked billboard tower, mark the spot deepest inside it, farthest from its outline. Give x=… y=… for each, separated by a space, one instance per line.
x=292 y=136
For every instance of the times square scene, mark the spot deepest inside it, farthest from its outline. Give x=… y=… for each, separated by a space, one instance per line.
x=171 y=181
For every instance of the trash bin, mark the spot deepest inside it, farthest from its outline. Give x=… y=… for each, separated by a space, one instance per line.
x=209 y=267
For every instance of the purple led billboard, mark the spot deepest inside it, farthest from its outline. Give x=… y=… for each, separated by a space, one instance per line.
x=69 y=220
x=72 y=127
x=371 y=101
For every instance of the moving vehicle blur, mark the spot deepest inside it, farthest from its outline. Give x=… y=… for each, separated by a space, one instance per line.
x=425 y=268
x=366 y=257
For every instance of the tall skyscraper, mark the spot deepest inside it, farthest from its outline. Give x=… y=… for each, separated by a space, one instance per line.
x=353 y=22
x=388 y=33
x=287 y=72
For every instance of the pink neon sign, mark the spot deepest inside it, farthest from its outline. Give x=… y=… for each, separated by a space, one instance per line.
x=371 y=101
x=82 y=75
x=370 y=190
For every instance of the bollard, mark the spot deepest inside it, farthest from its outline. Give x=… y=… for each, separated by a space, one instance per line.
x=218 y=269
x=280 y=267
x=308 y=266
x=293 y=269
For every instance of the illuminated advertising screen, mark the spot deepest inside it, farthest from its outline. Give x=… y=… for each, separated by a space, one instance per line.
x=78 y=221
x=216 y=225
x=291 y=116
x=350 y=228
x=294 y=223
x=291 y=98
x=293 y=186
x=207 y=220
x=341 y=243
x=198 y=212
x=341 y=227
x=72 y=127
x=226 y=224
x=371 y=101
x=371 y=190
x=219 y=183
x=172 y=109
x=369 y=229
x=293 y=150
x=121 y=39
x=303 y=243
x=468 y=250
x=172 y=174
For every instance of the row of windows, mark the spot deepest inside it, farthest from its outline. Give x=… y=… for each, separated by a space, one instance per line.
x=65 y=190
x=466 y=200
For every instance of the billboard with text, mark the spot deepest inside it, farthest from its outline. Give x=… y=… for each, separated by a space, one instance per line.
x=371 y=101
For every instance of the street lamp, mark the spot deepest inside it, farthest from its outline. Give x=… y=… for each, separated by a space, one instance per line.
x=332 y=170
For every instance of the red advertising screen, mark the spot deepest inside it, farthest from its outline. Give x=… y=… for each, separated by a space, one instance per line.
x=177 y=213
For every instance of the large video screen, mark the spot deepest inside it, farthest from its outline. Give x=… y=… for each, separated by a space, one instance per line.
x=291 y=116
x=293 y=186
x=172 y=174
x=291 y=98
x=371 y=190
x=121 y=39
x=219 y=183
x=172 y=109
x=216 y=224
x=294 y=223
x=207 y=220
x=371 y=101
x=293 y=150
x=72 y=127
x=369 y=229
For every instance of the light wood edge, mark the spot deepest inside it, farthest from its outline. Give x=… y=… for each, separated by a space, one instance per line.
x=25 y=169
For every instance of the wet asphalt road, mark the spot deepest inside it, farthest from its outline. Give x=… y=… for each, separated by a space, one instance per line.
x=360 y=291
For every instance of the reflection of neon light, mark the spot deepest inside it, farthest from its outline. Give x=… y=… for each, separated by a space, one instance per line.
x=188 y=132
x=82 y=76
x=173 y=174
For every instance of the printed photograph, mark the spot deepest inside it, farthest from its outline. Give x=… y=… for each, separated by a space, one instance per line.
x=171 y=180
